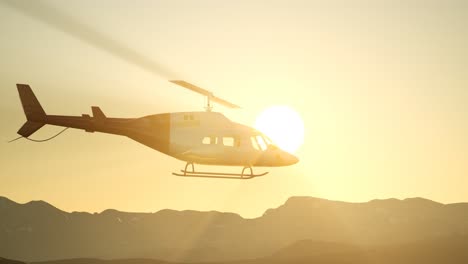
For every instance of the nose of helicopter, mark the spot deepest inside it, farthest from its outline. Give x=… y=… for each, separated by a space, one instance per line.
x=278 y=158
x=284 y=158
x=290 y=159
x=295 y=159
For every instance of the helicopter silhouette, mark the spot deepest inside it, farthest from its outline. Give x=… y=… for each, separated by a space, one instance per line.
x=203 y=137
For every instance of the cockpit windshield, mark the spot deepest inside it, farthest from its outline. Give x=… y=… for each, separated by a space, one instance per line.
x=261 y=142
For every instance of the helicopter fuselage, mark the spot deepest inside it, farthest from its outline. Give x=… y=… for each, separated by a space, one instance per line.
x=194 y=137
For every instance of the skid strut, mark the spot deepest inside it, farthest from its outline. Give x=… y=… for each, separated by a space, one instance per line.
x=238 y=176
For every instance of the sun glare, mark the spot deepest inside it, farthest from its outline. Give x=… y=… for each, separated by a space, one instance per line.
x=283 y=125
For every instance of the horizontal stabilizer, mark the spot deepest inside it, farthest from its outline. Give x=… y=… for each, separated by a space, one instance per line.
x=29 y=128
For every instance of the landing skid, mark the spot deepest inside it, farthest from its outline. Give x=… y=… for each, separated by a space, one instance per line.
x=218 y=175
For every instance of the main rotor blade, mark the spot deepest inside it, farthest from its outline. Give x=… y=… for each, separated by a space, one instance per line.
x=192 y=87
x=51 y=16
x=61 y=21
x=224 y=102
x=205 y=93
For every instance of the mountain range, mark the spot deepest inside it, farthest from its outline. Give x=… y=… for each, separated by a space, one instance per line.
x=305 y=229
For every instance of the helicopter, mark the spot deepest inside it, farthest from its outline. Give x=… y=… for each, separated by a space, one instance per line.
x=204 y=137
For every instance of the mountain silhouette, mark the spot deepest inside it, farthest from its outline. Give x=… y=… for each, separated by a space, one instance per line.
x=100 y=261
x=9 y=261
x=447 y=250
x=37 y=231
x=436 y=251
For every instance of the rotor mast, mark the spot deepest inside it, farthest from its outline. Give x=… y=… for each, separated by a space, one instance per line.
x=210 y=97
x=209 y=106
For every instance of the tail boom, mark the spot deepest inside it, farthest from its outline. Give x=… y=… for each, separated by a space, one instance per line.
x=89 y=123
x=37 y=118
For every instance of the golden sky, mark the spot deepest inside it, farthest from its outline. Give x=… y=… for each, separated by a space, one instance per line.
x=380 y=85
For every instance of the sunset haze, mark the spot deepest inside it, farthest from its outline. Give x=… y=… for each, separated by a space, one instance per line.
x=381 y=87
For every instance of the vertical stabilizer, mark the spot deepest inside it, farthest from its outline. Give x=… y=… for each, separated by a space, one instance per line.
x=33 y=110
x=31 y=106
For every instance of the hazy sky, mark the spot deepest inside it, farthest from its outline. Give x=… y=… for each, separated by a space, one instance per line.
x=381 y=86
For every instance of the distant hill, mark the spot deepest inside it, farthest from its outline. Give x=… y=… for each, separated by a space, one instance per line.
x=439 y=251
x=8 y=261
x=37 y=231
x=100 y=261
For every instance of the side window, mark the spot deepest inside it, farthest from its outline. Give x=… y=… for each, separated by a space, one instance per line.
x=228 y=141
x=206 y=141
x=210 y=140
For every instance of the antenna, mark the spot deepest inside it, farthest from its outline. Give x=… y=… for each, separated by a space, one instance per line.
x=209 y=95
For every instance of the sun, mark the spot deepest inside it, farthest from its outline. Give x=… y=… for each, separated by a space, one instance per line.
x=283 y=125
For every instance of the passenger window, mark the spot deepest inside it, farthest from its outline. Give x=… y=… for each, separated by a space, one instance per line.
x=228 y=141
x=206 y=140
x=210 y=140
